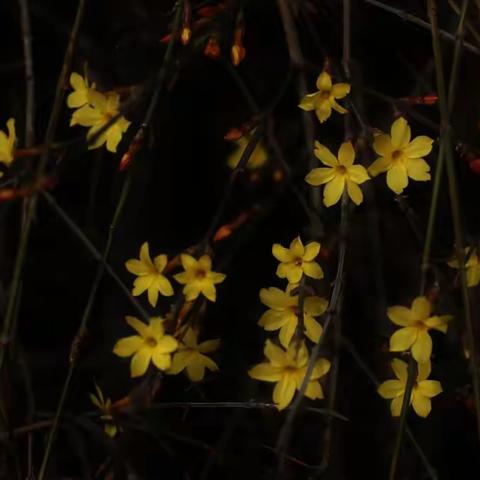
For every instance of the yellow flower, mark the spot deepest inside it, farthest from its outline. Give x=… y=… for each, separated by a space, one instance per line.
x=416 y=323
x=400 y=157
x=150 y=345
x=100 y=111
x=258 y=158
x=7 y=144
x=283 y=314
x=422 y=391
x=198 y=277
x=337 y=174
x=324 y=100
x=190 y=356
x=472 y=266
x=287 y=369
x=81 y=91
x=297 y=260
x=149 y=275
x=105 y=406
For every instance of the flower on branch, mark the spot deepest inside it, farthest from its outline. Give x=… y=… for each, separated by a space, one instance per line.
x=283 y=314
x=297 y=260
x=105 y=406
x=339 y=173
x=191 y=356
x=325 y=99
x=401 y=157
x=149 y=275
x=7 y=144
x=423 y=390
x=287 y=369
x=198 y=277
x=472 y=266
x=415 y=323
x=150 y=345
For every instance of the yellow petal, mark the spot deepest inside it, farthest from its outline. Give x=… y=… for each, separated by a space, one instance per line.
x=288 y=331
x=397 y=178
x=272 y=320
x=325 y=155
x=312 y=249
x=396 y=406
x=188 y=262
x=403 y=339
x=152 y=293
x=195 y=370
x=137 y=325
x=421 y=308
x=338 y=108
x=314 y=390
x=346 y=154
x=311 y=269
x=340 y=90
x=77 y=99
x=421 y=404
x=313 y=329
x=141 y=284
x=429 y=388
x=382 y=145
x=77 y=81
x=422 y=347
x=277 y=299
x=333 y=191
x=324 y=81
x=321 y=368
x=419 y=147
x=140 y=362
x=423 y=370
x=308 y=102
x=205 y=263
x=354 y=192
x=265 y=372
x=209 y=290
x=164 y=286
x=319 y=176
x=418 y=169
x=275 y=354
x=284 y=391
x=191 y=291
x=400 y=369
x=162 y=361
x=290 y=271
x=473 y=276
x=126 y=347
x=160 y=262
x=401 y=316
x=167 y=344
x=380 y=165
x=156 y=327
x=315 y=305
x=400 y=133
x=179 y=362
x=217 y=277
x=439 y=323
x=296 y=248
x=136 y=267
x=282 y=254
x=323 y=111
x=391 y=389
x=358 y=174
x=209 y=346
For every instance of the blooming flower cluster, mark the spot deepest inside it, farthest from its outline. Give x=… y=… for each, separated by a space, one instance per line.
x=287 y=366
x=152 y=344
x=472 y=266
x=98 y=111
x=413 y=337
x=105 y=407
x=397 y=154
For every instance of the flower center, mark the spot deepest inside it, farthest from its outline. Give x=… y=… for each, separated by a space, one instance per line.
x=420 y=325
x=200 y=274
x=325 y=94
x=298 y=262
x=341 y=169
x=151 y=342
x=397 y=155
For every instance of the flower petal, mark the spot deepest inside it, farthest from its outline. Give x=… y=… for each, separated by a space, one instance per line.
x=397 y=178
x=333 y=191
x=401 y=316
x=287 y=331
x=314 y=390
x=418 y=169
x=195 y=369
x=162 y=361
x=284 y=391
x=382 y=144
x=439 y=323
x=346 y=154
x=396 y=406
x=308 y=102
x=400 y=369
x=140 y=362
x=324 y=81
x=312 y=249
x=313 y=329
x=429 y=388
x=391 y=389
x=421 y=308
x=403 y=339
x=380 y=165
x=319 y=176
x=188 y=262
x=265 y=372
x=145 y=255
x=275 y=354
x=358 y=174
x=312 y=270
x=167 y=344
x=325 y=155
x=422 y=348
x=209 y=290
x=137 y=325
x=400 y=133
x=179 y=362
x=419 y=147
x=126 y=347
x=423 y=370
x=421 y=404
x=354 y=192
x=137 y=267
x=315 y=306
x=323 y=111
x=282 y=254
x=209 y=346
x=340 y=90
x=296 y=248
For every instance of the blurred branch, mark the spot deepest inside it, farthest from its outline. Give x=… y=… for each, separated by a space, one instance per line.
x=468 y=24
x=421 y=23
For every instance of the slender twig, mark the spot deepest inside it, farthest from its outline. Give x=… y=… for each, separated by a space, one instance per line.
x=76 y=344
x=96 y=255
x=455 y=201
x=30 y=210
x=332 y=311
x=468 y=24
x=296 y=59
x=421 y=23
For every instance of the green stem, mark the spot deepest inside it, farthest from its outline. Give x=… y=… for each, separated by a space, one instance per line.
x=74 y=352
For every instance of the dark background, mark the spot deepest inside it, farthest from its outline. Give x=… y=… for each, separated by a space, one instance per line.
x=178 y=181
